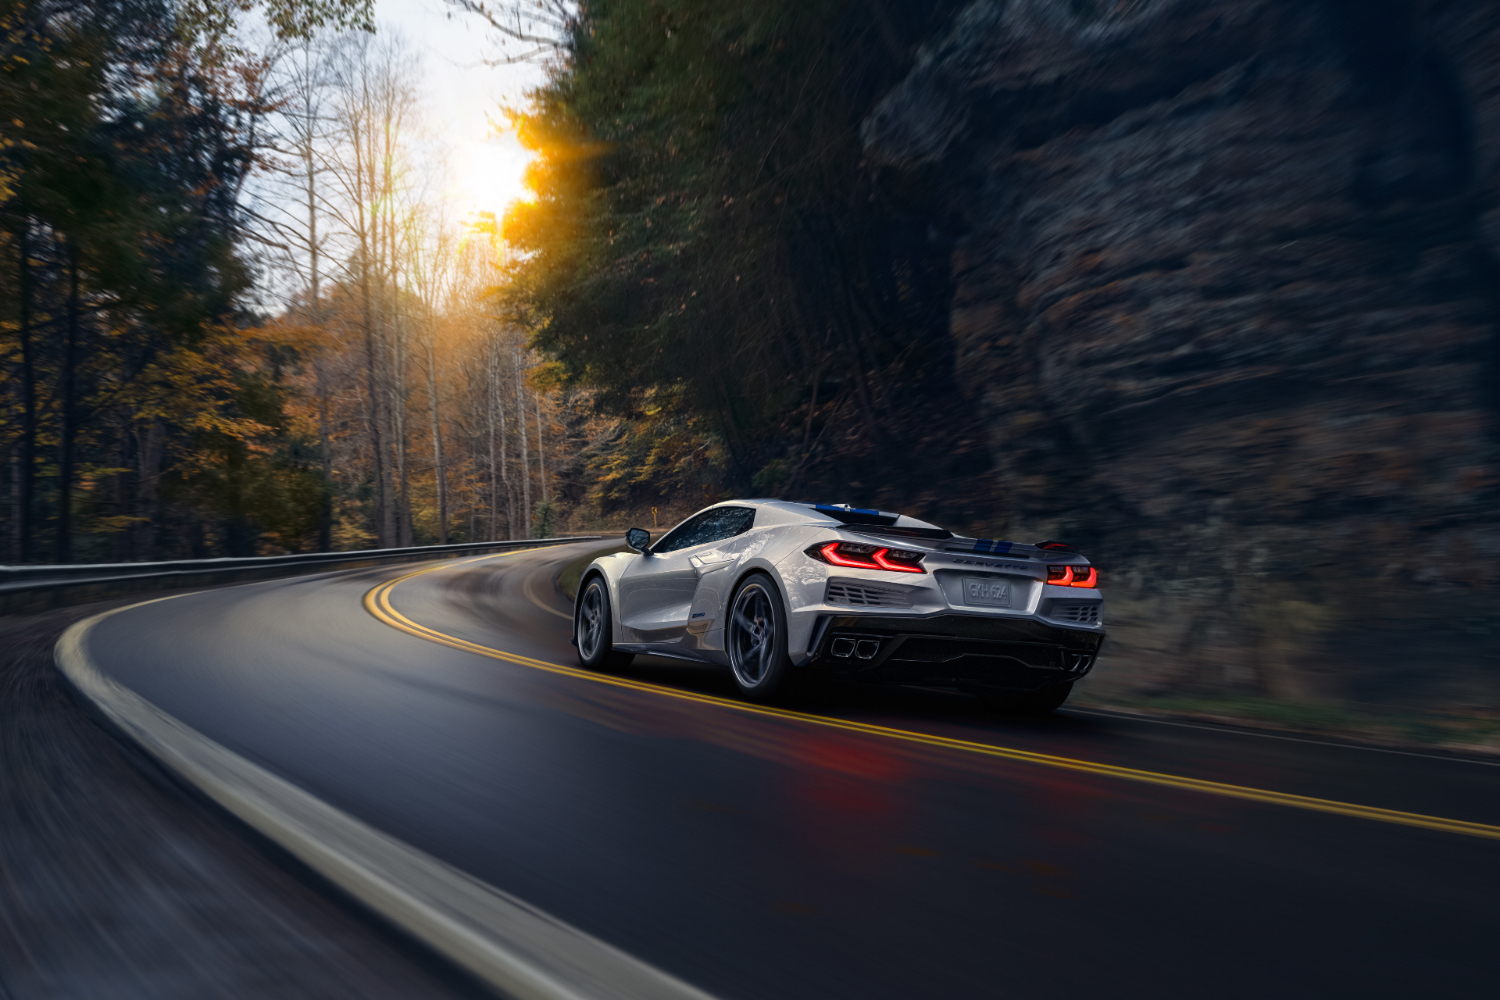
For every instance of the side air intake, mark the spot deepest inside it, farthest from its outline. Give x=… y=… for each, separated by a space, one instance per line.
x=860 y=595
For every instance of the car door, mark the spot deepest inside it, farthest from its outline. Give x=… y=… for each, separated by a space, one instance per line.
x=656 y=590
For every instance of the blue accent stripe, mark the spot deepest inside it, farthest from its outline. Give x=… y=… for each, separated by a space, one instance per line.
x=997 y=548
x=1002 y=547
x=983 y=545
x=852 y=510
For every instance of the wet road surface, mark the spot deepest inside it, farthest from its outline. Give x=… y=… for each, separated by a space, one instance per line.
x=761 y=856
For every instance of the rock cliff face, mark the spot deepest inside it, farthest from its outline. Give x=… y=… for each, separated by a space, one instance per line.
x=1227 y=293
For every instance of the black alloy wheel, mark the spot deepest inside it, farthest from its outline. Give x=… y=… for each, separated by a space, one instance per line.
x=592 y=630
x=756 y=638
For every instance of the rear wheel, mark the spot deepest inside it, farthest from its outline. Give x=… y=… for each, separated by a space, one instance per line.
x=756 y=638
x=593 y=629
x=1043 y=701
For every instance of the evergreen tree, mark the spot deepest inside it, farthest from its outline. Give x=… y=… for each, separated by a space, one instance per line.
x=706 y=252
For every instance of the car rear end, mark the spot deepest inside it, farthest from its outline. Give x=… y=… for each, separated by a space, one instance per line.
x=909 y=604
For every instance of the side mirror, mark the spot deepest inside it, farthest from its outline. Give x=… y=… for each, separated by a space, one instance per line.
x=638 y=539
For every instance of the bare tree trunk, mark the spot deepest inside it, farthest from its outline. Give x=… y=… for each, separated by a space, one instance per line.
x=396 y=312
x=151 y=449
x=372 y=246
x=325 y=453
x=122 y=541
x=492 y=395
x=25 y=482
x=397 y=360
x=373 y=415
x=541 y=457
x=525 y=457
x=16 y=524
x=511 y=521
x=398 y=426
x=440 y=471
x=510 y=484
x=473 y=497
x=315 y=308
x=387 y=477
x=67 y=425
x=362 y=192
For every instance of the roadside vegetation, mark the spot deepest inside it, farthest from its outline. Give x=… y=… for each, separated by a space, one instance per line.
x=707 y=255
x=236 y=316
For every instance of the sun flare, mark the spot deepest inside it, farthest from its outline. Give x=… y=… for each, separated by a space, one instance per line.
x=490 y=174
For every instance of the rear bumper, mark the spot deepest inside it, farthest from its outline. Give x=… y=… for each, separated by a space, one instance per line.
x=955 y=650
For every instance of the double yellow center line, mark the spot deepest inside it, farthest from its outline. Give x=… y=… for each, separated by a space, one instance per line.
x=378 y=603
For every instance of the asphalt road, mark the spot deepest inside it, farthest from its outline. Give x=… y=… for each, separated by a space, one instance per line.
x=771 y=856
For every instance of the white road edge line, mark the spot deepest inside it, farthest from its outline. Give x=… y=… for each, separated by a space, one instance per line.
x=511 y=945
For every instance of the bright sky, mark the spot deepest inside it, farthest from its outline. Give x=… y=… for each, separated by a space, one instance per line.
x=463 y=96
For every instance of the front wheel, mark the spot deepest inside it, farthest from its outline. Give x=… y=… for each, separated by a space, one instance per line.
x=1043 y=701
x=593 y=630
x=756 y=638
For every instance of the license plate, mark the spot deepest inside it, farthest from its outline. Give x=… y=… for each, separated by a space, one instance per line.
x=990 y=593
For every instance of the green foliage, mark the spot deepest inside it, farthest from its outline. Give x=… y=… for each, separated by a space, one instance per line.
x=705 y=252
x=546 y=519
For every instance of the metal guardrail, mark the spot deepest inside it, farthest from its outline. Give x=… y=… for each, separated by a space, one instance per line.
x=30 y=588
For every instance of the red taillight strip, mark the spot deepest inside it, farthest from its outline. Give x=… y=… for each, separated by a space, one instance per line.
x=1089 y=579
x=831 y=553
x=879 y=556
x=877 y=560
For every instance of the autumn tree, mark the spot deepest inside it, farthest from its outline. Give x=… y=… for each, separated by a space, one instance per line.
x=128 y=130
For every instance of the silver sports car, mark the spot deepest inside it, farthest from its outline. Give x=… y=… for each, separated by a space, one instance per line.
x=768 y=587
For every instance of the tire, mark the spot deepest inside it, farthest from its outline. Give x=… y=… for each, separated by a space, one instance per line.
x=755 y=638
x=1042 y=701
x=593 y=629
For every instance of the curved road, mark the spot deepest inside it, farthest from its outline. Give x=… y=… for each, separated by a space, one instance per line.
x=811 y=854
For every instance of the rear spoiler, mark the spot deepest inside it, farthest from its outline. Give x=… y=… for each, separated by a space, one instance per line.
x=892 y=531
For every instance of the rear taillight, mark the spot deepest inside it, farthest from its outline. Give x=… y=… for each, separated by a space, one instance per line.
x=857 y=556
x=1072 y=576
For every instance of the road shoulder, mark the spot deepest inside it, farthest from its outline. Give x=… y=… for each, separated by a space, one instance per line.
x=118 y=882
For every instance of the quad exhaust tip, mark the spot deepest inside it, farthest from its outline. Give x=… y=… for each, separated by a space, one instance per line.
x=844 y=647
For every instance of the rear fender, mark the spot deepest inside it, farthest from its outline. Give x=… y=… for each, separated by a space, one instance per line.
x=799 y=628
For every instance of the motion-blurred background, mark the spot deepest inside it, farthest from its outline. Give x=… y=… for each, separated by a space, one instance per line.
x=1206 y=287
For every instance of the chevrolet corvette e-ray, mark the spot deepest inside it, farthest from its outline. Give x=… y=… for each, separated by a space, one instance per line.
x=769 y=587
